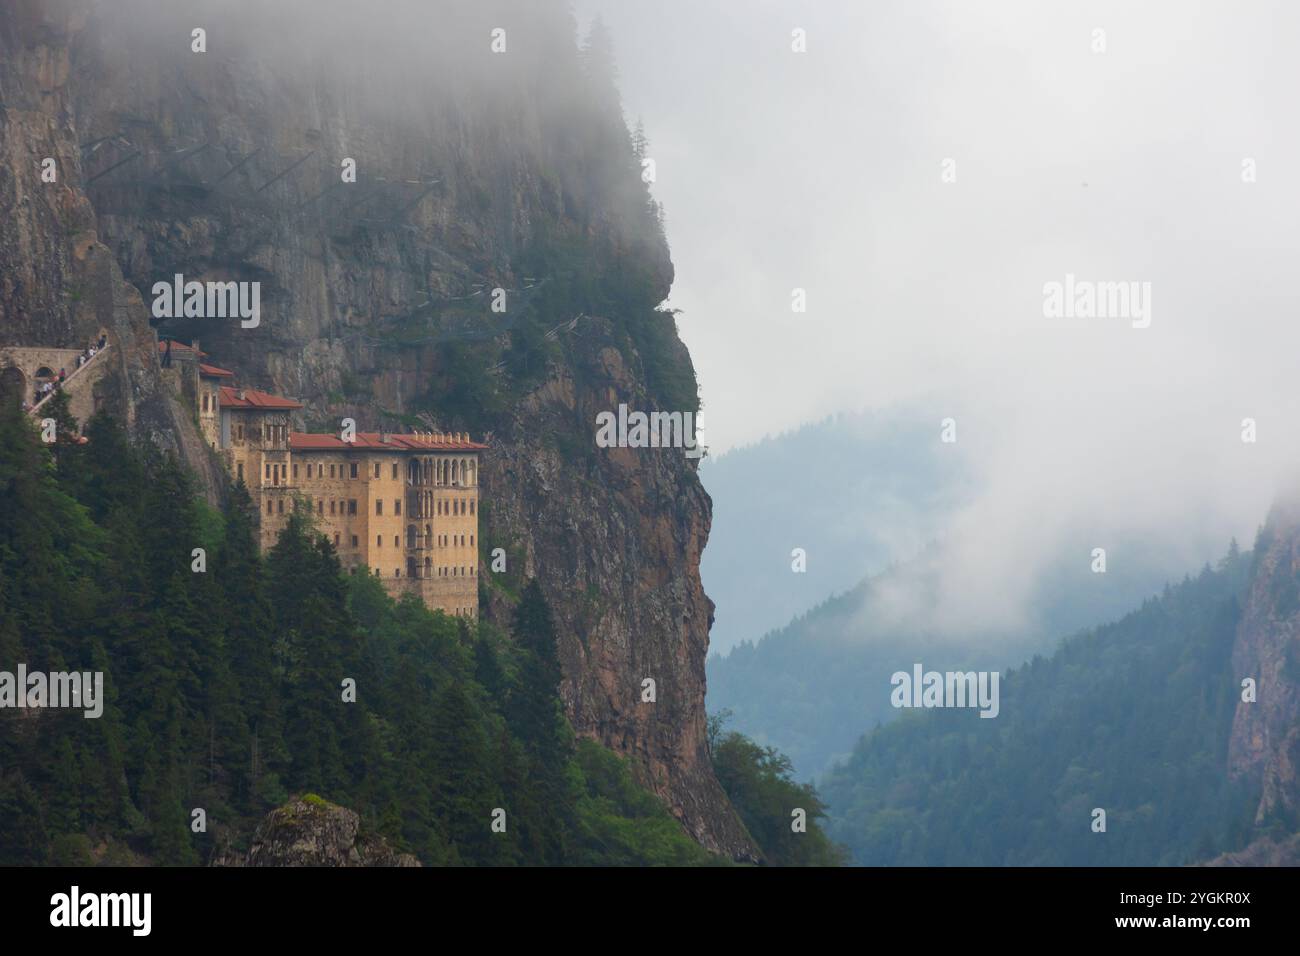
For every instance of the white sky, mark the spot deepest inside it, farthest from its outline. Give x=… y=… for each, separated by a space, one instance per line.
x=821 y=170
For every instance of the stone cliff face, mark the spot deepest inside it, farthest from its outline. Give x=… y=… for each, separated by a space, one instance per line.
x=60 y=285
x=1265 y=743
x=475 y=171
x=619 y=535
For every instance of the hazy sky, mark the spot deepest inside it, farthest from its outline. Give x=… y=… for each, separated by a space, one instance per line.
x=822 y=170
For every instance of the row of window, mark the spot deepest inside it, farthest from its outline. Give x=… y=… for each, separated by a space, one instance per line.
x=336 y=471
x=349 y=507
x=442 y=472
x=412 y=571
x=453 y=506
x=277 y=474
x=448 y=476
x=275 y=434
x=337 y=506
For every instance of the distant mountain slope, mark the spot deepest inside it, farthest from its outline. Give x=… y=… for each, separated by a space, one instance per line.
x=854 y=491
x=813 y=687
x=1133 y=718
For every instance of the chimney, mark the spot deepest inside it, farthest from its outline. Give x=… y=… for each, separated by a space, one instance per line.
x=240 y=393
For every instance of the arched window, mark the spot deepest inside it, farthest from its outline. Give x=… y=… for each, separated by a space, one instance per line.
x=412 y=569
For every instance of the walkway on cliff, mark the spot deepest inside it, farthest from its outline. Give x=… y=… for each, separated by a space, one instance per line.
x=68 y=379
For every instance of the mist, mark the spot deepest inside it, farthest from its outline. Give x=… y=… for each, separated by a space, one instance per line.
x=824 y=171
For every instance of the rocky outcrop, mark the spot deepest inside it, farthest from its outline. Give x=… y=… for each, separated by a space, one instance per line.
x=311 y=831
x=1265 y=742
x=1262 y=852
x=474 y=171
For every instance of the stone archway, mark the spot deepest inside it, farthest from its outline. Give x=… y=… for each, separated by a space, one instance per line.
x=37 y=365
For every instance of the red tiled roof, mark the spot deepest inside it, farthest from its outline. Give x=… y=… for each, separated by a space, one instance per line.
x=251 y=398
x=178 y=347
x=213 y=372
x=371 y=441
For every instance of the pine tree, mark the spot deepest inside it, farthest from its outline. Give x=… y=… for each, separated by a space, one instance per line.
x=23 y=838
x=536 y=720
x=465 y=792
x=487 y=669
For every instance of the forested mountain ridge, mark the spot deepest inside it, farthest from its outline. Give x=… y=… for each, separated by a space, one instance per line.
x=806 y=688
x=475 y=172
x=1133 y=718
x=853 y=492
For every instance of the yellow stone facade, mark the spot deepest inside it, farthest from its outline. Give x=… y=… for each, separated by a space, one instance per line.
x=405 y=506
